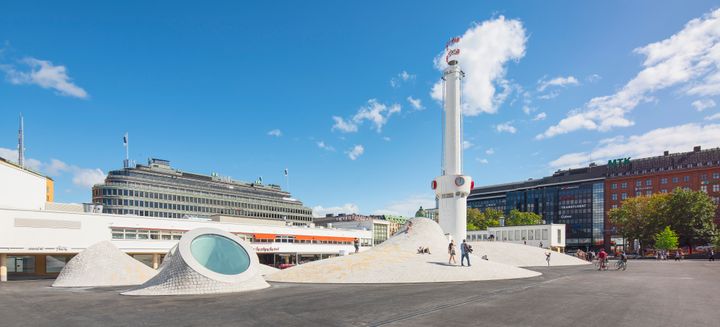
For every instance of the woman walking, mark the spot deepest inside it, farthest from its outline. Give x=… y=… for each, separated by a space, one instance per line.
x=451 y=252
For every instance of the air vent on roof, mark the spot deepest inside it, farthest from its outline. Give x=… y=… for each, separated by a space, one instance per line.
x=696 y=148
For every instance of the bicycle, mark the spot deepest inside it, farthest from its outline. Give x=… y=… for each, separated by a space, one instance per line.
x=620 y=265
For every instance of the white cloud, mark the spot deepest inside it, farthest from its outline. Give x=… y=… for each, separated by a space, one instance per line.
x=557 y=81
x=485 y=50
x=415 y=103
x=506 y=127
x=84 y=177
x=401 y=78
x=490 y=151
x=593 y=78
x=482 y=161
x=386 y=139
x=690 y=58
x=680 y=138
x=703 y=104
x=44 y=74
x=713 y=117
x=466 y=145
x=325 y=146
x=355 y=152
x=375 y=112
x=553 y=94
x=344 y=126
x=540 y=116
x=408 y=206
x=56 y=167
x=275 y=132
x=87 y=177
x=348 y=208
x=9 y=154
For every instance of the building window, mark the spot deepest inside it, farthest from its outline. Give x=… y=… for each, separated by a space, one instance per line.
x=623 y=185
x=638 y=193
x=648 y=192
x=614 y=206
x=613 y=186
x=703 y=188
x=703 y=177
x=675 y=179
x=716 y=175
x=648 y=182
x=663 y=181
x=716 y=188
x=638 y=183
x=686 y=178
x=663 y=191
x=614 y=197
x=623 y=196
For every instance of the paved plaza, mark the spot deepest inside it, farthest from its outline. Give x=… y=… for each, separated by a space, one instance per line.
x=649 y=293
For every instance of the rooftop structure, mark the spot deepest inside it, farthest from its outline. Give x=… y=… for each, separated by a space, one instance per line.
x=159 y=190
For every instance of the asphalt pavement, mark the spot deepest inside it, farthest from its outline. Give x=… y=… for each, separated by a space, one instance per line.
x=649 y=293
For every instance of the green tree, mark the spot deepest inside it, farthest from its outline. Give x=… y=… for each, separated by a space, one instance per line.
x=691 y=214
x=640 y=218
x=474 y=219
x=477 y=220
x=517 y=218
x=666 y=239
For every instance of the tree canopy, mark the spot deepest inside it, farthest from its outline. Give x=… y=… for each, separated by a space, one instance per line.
x=479 y=220
x=666 y=239
x=689 y=213
x=517 y=218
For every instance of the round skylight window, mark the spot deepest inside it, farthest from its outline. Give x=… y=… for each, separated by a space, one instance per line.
x=220 y=254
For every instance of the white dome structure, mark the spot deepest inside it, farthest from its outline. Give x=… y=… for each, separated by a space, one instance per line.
x=520 y=255
x=397 y=261
x=103 y=264
x=206 y=261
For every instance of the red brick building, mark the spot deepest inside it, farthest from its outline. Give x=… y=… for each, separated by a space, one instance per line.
x=698 y=170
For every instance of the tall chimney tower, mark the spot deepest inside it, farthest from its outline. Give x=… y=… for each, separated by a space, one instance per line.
x=452 y=187
x=21 y=144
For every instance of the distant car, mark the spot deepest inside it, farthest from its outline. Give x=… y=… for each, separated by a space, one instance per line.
x=285 y=265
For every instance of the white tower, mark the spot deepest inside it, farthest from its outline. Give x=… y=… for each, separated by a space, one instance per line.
x=21 y=144
x=452 y=188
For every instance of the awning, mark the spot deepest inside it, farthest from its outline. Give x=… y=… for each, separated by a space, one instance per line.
x=265 y=236
x=304 y=237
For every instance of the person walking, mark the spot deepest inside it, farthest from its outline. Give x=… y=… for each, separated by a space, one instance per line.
x=451 y=252
x=465 y=251
x=711 y=255
x=357 y=245
x=678 y=255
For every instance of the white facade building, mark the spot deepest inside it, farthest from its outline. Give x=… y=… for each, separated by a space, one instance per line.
x=550 y=236
x=39 y=242
x=21 y=188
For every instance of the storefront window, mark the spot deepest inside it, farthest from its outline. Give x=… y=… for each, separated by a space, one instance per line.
x=55 y=263
x=21 y=264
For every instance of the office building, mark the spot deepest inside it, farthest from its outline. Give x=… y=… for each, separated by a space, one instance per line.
x=158 y=190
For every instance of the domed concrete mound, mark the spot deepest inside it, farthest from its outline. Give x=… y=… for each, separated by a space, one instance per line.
x=397 y=261
x=103 y=264
x=520 y=255
x=267 y=270
x=206 y=261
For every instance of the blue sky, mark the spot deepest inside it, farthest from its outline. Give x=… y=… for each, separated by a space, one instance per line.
x=340 y=93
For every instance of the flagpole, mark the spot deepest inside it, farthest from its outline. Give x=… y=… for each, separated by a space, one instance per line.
x=287 y=180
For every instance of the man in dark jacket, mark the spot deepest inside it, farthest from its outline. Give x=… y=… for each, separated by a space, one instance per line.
x=465 y=251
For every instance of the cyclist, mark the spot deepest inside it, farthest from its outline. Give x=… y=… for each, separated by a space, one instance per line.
x=622 y=262
x=602 y=259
